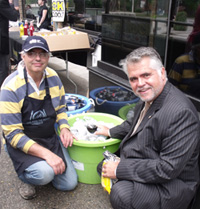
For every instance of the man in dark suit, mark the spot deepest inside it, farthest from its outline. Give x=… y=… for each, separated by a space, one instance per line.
x=158 y=166
x=6 y=13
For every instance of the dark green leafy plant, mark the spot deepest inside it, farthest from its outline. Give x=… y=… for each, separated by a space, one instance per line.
x=180 y=17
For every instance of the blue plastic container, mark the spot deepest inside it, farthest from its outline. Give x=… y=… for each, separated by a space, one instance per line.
x=87 y=102
x=106 y=106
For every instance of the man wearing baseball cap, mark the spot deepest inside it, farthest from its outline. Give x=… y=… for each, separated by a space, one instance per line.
x=32 y=101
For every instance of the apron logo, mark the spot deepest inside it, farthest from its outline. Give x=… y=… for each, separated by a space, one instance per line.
x=38 y=117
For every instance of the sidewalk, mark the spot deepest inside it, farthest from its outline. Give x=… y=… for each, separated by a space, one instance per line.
x=85 y=196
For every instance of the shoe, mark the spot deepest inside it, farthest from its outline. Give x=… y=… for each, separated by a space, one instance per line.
x=27 y=191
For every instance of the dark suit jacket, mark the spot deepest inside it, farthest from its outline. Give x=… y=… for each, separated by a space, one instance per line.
x=6 y=13
x=163 y=151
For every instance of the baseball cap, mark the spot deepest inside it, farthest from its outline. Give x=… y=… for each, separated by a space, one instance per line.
x=33 y=42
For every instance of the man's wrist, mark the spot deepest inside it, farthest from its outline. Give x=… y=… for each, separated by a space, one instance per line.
x=65 y=128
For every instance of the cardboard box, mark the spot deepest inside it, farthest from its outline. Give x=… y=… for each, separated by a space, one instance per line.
x=14 y=29
x=62 y=42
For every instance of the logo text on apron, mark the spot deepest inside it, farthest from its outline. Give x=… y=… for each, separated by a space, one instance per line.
x=38 y=117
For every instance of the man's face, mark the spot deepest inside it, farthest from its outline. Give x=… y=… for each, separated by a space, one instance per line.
x=146 y=82
x=35 y=61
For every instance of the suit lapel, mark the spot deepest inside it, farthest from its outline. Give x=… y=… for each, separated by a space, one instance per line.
x=137 y=111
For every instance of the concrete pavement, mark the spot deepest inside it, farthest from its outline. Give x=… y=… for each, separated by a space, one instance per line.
x=85 y=196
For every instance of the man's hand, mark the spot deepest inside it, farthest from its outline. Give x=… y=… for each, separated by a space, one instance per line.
x=109 y=169
x=102 y=130
x=52 y=159
x=56 y=163
x=38 y=25
x=66 y=137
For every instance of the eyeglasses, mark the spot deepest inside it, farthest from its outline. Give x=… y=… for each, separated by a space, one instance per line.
x=35 y=54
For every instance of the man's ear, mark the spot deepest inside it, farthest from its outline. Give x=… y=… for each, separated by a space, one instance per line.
x=163 y=73
x=22 y=56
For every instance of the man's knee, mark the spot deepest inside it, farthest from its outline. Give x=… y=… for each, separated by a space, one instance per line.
x=40 y=175
x=45 y=175
x=115 y=197
x=121 y=195
x=68 y=185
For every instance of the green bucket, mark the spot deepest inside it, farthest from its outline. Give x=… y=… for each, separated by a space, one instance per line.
x=86 y=155
x=124 y=110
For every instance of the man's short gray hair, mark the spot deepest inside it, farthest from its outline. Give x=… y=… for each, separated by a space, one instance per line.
x=139 y=53
x=23 y=52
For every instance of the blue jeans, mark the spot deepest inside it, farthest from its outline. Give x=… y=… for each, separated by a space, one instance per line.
x=41 y=173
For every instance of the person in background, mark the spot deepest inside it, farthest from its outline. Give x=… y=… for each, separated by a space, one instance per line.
x=43 y=20
x=28 y=9
x=158 y=165
x=6 y=14
x=32 y=100
x=29 y=13
x=195 y=30
x=185 y=72
x=71 y=19
x=14 y=4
